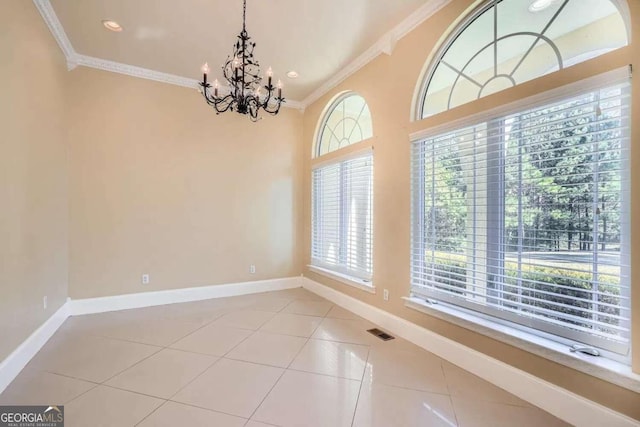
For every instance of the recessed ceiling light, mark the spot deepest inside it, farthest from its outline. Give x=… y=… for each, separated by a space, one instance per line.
x=112 y=26
x=539 y=5
x=292 y=74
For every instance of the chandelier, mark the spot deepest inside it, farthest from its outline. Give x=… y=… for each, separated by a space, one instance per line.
x=244 y=91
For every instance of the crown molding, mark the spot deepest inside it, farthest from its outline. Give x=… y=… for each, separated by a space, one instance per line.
x=134 y=71
x=423 y=13
x=385 y=45
x=75 y=59
x=148 y=74
x=362 y=60
x=52 y=21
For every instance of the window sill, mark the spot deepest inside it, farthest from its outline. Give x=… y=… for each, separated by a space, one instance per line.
x=599 y=367
x=344 y=278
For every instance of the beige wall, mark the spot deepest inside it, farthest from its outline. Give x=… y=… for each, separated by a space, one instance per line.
x=388 y=85
x=33 y=174
x=160 y=184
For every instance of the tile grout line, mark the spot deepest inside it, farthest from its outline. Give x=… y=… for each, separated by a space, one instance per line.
x=154 y=345
x=446 y=381
x=196 y=330
x=129 y=367
x=355 y=409
x=324 y=317
x=150 y=413
x=83 y=393
x=194 y=378
x=268 y=393
x=127 y=341
x=215 y=362
x=420 y=391
x=279 y=378
x=218 y=316
x=68 y=376
x=134 y=392
x=191 y=405
x=218 y=358
x=160 y=348
x=207 y=409
x=287 y=368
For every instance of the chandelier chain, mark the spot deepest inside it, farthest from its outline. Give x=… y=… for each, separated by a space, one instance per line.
x=244 y=15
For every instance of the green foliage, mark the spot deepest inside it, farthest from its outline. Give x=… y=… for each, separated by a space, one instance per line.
x=560 y=177
x=568 y=161
x=545 y=287
x=553 y=179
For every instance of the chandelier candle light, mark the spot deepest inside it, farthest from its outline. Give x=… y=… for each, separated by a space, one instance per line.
x=242 y=72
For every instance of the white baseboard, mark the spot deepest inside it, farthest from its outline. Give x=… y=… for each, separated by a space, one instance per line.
x=172 y=296
x=558 y=401
x=18 y=359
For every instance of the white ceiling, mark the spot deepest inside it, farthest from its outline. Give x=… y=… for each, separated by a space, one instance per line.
x=317 y=38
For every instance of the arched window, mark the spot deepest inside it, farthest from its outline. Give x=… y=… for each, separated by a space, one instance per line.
x=346 y=121
x=507 y=42
x=342 y=195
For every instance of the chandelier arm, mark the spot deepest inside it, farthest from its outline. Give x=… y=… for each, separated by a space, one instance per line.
x=220 y=104
x=211 y=100
x=265 y=101
x=274 y=108
x=223 y=105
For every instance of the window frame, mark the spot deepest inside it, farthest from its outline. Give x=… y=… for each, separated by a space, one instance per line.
x=354 y=150
x=417 y=203
x=341 y=269
x=322 y=123
x=455 y=31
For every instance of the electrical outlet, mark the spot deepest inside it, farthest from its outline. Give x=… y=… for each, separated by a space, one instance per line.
x=385 y=294
x=44 y=302
x=145 y=279
x=252 y=269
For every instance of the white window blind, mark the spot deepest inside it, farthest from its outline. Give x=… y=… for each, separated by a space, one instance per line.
x=525 y=217
x=342 y=199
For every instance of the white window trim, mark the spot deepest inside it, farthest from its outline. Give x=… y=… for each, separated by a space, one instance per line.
x=602 y=367
x=350 y=152
x=347 y=279
x=329 y=109
x=434 y=60
x=609 y=366
x=585 y=85
x=317 y=265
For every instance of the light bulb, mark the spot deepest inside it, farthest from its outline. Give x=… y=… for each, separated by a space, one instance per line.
x=215 y=88
x=112 y=26
x=269 y=72
x=205 y=68
x=539 y=5
x=279 y=84
x=235 y=62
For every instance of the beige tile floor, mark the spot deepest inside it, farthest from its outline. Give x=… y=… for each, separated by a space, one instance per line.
x=287 y=358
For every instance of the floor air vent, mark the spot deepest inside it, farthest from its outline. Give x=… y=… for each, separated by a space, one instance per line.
x=380 y=334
